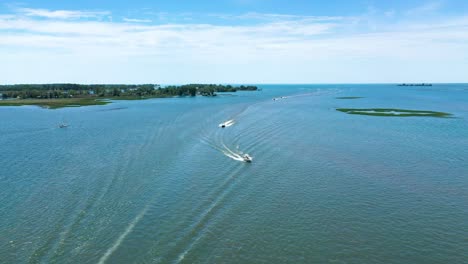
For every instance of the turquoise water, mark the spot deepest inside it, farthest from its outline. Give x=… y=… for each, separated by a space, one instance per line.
x=157 y=181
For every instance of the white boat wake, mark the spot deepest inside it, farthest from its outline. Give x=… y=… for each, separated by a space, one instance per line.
x=238 y=155
x=227 y=123
x=233 y=156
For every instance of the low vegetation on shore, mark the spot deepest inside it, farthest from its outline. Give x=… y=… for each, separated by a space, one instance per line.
x=70 y=95
x=392 y=112
x=55 y=103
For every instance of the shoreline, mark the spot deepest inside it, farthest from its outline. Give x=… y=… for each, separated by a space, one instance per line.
x=53 y=96
x=57 y=103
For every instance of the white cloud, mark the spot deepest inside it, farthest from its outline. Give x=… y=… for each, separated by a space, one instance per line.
x=61 y=14
x=281 y=17
x=305 y=49
x=389 y=13
x=134 y=20
x=426 y=8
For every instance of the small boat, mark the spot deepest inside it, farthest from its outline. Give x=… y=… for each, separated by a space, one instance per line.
x=63 y=125
x=247 y=158
x=226 y=124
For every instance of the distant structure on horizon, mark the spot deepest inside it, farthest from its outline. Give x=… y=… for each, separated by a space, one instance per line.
x=415 y=84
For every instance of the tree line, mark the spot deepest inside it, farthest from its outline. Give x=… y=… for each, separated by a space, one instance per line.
x=55 y=91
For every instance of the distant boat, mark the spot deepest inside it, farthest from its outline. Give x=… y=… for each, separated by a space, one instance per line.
x=63 y=125
x=247 y=158
x=279 y=98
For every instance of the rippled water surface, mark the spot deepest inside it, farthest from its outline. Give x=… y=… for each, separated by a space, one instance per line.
x=158 y=181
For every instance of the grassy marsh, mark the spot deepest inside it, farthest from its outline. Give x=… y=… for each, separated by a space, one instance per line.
x=55 y=103
x=393 y=112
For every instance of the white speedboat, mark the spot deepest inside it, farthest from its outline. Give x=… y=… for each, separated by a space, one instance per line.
x=247 y=158
x=226 y=124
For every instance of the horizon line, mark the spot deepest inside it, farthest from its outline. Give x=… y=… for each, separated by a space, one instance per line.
x=243 y=83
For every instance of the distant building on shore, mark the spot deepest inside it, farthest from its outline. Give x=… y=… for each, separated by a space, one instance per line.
x=415 y=84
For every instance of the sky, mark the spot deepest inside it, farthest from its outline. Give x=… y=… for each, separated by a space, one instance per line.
x=233 y=41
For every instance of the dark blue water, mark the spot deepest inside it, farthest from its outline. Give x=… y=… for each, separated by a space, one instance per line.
x=157 y=181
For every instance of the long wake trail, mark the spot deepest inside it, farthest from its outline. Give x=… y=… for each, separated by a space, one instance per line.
x=122 y=237
x=135 y=221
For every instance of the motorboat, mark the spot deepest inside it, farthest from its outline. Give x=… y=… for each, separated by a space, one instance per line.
x=226 y=124
x=63 y=125
x=247 y=158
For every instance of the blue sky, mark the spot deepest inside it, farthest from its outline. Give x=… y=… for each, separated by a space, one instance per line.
x=234 y=41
